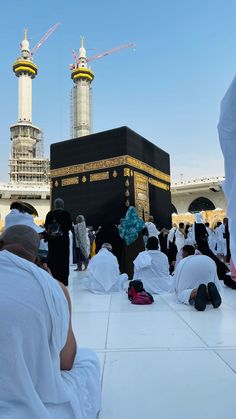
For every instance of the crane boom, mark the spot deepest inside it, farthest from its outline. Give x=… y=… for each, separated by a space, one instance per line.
x=44 y=38
x=75 y=58
x=111 y=51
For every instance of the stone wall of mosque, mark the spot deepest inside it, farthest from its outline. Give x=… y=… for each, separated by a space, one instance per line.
x=182 y=201
x=212 y=217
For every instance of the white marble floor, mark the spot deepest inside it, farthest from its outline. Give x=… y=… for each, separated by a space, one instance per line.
x=164 y=361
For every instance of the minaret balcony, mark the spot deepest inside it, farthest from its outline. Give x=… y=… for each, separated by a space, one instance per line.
x=24 y=66
x=82 y=73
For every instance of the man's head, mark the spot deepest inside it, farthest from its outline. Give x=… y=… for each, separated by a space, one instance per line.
x=150 y=218
x=152 y=243
x=188 y=250
x=21 y=240
x=225 y=220
x=58 y=203
x=16 y=205
x=107 y=246
x=181 y=225
x=207 y=224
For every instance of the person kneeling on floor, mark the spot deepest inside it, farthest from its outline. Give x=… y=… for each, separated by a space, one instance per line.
x=196 y=282
x=43 y=373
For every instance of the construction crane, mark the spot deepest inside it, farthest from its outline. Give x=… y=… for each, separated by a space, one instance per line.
x=44 y=38
x=75 y=58
x=101 y=55
x=111 y=51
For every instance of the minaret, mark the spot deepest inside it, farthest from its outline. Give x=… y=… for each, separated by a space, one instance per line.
x=82 y=76
x=27 y=164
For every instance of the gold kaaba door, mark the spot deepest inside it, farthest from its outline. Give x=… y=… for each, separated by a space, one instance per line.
x=141 y=193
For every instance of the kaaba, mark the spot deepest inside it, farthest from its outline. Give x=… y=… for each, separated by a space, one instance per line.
x=102 y=174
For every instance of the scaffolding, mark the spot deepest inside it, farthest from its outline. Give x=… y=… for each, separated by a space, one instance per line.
x=27 y=164
x=73 y=111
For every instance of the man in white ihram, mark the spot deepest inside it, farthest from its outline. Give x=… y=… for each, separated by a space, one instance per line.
x=227 y=135
x=43 y=373
x=196 y=282
x=103 y=274
x=152 y=230
x=152 y=268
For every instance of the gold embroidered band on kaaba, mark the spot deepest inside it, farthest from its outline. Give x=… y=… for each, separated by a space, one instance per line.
x=109 y=163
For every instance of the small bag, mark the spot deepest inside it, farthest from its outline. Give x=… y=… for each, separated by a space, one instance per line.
x=137 y=294
x=134 y=286
x=143 y=298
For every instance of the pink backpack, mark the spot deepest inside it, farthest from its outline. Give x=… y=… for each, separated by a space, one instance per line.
x=142 y=298
x=138 y=295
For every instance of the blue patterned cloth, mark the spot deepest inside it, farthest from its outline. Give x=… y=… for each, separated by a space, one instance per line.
x=131 y=226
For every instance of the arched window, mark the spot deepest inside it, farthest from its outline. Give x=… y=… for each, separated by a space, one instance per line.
x=201 y=204
x=173 y=209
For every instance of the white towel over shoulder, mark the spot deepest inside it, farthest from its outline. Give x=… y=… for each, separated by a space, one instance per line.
x=34 y=326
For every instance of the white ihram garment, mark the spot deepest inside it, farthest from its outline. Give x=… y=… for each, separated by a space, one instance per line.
x=103 y=274
x=71 y=239
x=191 y=272
x=211 y=240
x=220 y=240
x=152 y=268
x=34 y=327
x=16 y=217
x=171 y=236
x=179 y=239
x=152 y=230
x=227 y=135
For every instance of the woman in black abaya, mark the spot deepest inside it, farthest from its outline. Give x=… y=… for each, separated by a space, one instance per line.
x=58 y=246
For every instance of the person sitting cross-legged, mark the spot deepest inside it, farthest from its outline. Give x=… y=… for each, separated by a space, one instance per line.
x=103 y=273
x=152 y=268
x=196 y=282
x=44 y=375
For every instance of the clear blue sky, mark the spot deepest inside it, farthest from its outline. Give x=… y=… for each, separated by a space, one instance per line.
x=168 y=89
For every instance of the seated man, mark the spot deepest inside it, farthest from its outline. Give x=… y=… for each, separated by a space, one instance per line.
x=152 y=268
x=43 y=374
x=196 y=282
x=103 y=274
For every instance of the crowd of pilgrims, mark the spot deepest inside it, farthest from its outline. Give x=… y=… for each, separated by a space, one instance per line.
x=163 y=259
x=133 y=249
